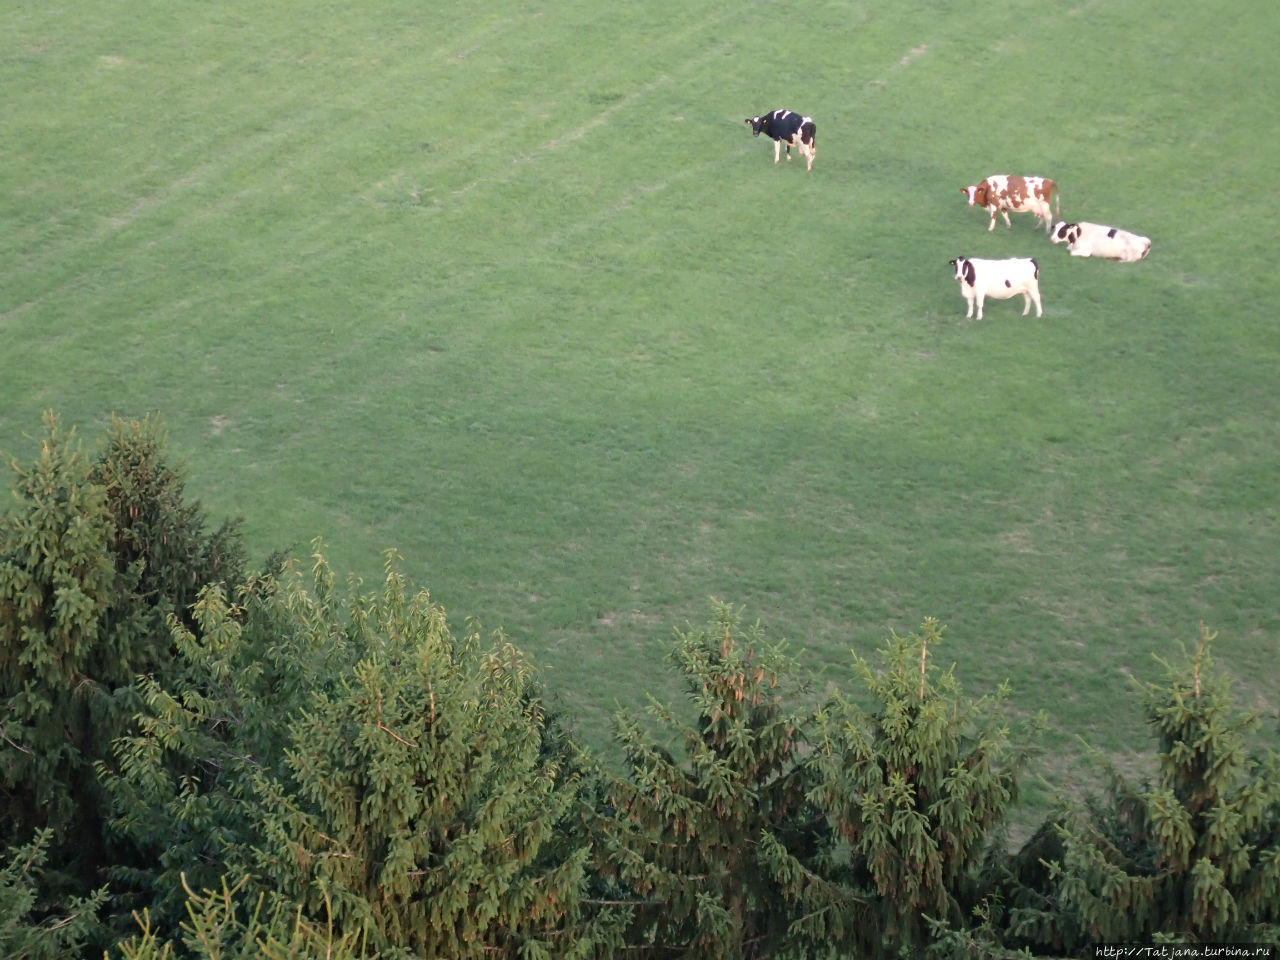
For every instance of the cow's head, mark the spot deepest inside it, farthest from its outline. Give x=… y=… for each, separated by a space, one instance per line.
x=755 y=123
x=971 y=192
x=1064 y=232
x=964 y=269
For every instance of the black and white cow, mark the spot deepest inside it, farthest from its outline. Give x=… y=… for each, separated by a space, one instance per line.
x=1000 y=280
x=1086 y=239
x=790 y=130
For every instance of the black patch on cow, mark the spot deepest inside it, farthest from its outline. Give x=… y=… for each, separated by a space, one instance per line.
x=1111 y=232
x=969 y=273
x=1036 y=272
x=1008 y=284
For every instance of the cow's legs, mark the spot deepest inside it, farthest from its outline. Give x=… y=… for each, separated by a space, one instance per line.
x=992 y=225
x=1035 y=295
x=1006 y=218
x=979 y=298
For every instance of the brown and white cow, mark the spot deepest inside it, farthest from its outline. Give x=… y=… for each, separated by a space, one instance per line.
x=1001 y=193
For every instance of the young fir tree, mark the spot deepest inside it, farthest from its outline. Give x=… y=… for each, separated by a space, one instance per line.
x=160 y=546
x=915 y=789
x=422 y=804
x=34 y=930
x=180 y=783
x=92 y=560
x=58 y=664
x=1193 y=857
x=693 y=837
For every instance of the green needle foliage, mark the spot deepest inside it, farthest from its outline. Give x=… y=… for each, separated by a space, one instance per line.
x=93 y=558
x=58 y=664
x=1194 y=856
x=383 y=780
x=34 y=930
x=915 y=789
x=180 y=784
x=424 y=798
x=220 y=926
x=159 y=540
x=694 y=835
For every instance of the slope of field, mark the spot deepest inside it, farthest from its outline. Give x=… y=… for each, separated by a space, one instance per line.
x=510 y=287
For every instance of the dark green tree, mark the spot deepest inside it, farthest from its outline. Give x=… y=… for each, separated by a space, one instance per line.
x=92 y=559
x=34 y=930
x=692 y=836
x=1194 y=856
x=379 y=777
x=180 y=782
x=160 y=545
x=915 y=787
x=59 y=665
x=420 y=802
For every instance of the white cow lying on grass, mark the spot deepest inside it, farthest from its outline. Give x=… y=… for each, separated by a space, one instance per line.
x=1085 y=239
x=999 y=279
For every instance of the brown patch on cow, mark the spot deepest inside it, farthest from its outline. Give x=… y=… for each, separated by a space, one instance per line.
x=1045 y=188
x=979 y=194
x=1016 y=193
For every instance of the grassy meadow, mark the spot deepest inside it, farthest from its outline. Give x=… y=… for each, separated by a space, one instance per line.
x=509 y=287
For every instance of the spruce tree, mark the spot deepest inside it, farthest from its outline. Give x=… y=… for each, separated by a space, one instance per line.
x=422 y=802
x=94 y=557
x=250 y=659
x=1193 y=856
x=915 y=788
x=58 y=664
x=692 y=836
x=160 y=544
x=32 y=927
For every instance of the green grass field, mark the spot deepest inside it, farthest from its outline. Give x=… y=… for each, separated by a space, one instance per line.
x=511 y=288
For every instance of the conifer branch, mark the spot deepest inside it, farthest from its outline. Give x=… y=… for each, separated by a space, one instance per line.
x=396 y=736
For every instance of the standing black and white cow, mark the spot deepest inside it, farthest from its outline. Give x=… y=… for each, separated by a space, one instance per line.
x=790 y=130
x=1000 y=280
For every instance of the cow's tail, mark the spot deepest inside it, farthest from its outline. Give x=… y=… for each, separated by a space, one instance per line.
x=1057 y=200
